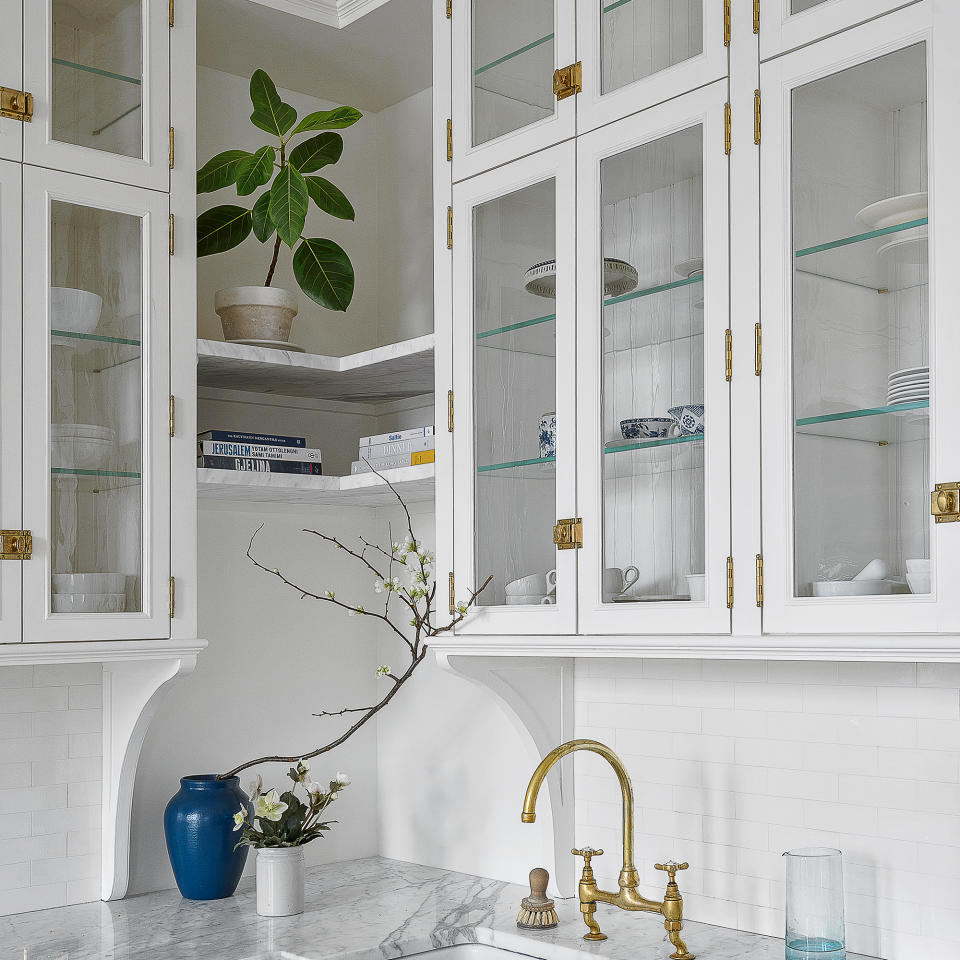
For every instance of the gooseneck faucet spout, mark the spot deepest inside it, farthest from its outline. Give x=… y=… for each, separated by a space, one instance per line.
x=628 y=897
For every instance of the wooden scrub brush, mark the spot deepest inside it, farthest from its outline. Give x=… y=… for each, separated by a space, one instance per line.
x=536 y=911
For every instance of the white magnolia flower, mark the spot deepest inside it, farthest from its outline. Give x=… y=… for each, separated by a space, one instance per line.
x=383 y=671
x=239 y=818
x=303 y=765
x=270 y=806
x=344 y=779
x=313 y=787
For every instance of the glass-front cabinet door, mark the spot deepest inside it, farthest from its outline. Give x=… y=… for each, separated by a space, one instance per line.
x=859 y=388
x=505 y=54
x=637 y=53
x=653 y=396
x=515 y=410
x=98 y=73
x=95 y=407
x=11 y=78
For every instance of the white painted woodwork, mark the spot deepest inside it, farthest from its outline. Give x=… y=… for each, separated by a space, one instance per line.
x=11 y=74
x=390 y=372
x=332 y=13
x=152 y=167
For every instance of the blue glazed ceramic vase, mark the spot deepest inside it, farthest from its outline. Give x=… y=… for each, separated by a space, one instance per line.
x=198 y=824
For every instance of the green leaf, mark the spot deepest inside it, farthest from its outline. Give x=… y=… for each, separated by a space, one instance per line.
x=328 y=120
x=221 y=171
x=270 y=113
x=222 y=228
x=324 y=273
x=327 y=197
x=263 y=226
x=289 y=199
x=255 y=170
x=317 y=152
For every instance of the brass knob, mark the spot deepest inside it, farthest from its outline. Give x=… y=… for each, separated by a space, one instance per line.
x=588 y=853
x=671 y=867
x=946 y=502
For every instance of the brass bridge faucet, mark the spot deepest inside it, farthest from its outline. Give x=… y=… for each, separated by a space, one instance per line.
x=628 y=898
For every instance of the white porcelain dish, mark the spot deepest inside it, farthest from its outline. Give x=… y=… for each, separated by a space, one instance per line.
x=918 y=566
x=919 y=582
x=74 y=311
x=894 y=211
x=81 y=453
x=910 y=372
x=852 y=588
x=908 y=248
x=519 y=599
x=689 y=268
x=89 y=583
x=71 y=431
x=89 y=603
x=618 y=278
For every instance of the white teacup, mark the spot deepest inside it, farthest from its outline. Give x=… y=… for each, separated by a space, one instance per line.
x=514 y=599
x=617 y=581
x=536 y=584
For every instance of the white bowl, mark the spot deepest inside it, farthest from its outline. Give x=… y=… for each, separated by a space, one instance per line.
x=534 y=599
x=918 y=566
x=89 y=583
x=93 y=431
x=894 y=211
x=81 y=453
x=852 y=588
x=918 y=582
x=89 y=602
x=76 y=311
x=697 y=585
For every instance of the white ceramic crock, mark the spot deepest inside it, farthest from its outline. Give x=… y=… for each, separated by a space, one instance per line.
x=279 y=881
x=255 y=313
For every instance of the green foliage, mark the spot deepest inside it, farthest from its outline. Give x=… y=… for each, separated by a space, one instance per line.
x=322 y=268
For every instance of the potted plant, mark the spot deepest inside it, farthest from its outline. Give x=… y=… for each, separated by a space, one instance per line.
x=288 y=174
x=281 y=825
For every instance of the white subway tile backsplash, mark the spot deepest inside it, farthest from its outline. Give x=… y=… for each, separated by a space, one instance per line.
x=15 y=724
x=849 y=701
x=61 y=869
x=67 y=674
x=34 y=898
x=85 y=744
x=51 y=797
x=14 y=825
x=67 y=721
x=920 y=764
x=14 y=875
x=11 y=677
x=25 y=749
x=929 y=702
x=80 y=769
x=31 y=699
x=85 y=697
x=64 y=820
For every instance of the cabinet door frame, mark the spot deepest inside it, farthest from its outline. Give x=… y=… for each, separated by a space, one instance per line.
x=11 y=75
x=556 y=163
x=940 y=610
x=40 y=188
x=11 y=399
x=468 y=159
x=702 y=107
x=594 y=109
x=152 y=169
x=781 y=30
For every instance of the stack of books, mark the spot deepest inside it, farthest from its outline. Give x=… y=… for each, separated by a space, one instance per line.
x=403 y=448
x=256 y=453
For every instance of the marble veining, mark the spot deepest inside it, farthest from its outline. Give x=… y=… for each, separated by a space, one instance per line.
x=370 y=909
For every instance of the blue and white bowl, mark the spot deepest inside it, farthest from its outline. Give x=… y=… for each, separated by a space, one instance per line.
x=689 y=418
x=548 y=435
x=646 y=428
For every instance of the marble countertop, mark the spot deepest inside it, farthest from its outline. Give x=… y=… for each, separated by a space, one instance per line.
x=371 y=909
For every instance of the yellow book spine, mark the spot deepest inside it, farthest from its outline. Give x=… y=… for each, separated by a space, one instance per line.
x=422 y=456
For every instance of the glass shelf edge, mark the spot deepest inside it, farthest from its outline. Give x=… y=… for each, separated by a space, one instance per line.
x=510 y=327
x=80 y=472
x=96 y=71
x=647 y=444
x=860 y=237
x=866 y=412
x=649 y=291
x=95 y=338
x=489 y=467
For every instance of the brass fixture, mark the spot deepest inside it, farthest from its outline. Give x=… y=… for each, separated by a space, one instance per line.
x=16 y=104
x=727 y=129
x=945 y=502
x=536 y=911
x=568 y=534
x=628 y=898
x=16 y=544
x=568 y=81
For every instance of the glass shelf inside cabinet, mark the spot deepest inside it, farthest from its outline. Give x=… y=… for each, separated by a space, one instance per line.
x=899 y=423
x=537 y=336
x=882 y=261
x=93 y=352
x=94 y=481
x=536 y=468
x=636 y=458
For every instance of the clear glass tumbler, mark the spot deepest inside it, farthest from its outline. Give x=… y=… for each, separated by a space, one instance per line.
x=815 y=928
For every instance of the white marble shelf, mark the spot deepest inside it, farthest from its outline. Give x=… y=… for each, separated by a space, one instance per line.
x=415 y=485
x=392 y=372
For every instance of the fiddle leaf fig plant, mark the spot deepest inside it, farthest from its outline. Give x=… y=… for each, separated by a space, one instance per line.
x=322 y=268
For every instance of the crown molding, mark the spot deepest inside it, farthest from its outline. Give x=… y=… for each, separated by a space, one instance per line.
x=332 y=13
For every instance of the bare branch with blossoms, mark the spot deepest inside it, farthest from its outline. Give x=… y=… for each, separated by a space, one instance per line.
x=407 y=558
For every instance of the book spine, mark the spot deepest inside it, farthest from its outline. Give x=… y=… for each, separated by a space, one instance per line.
x=397 y=447
x=268 y=439
x=224 y=448
x=391 y=463
x=250 y=465
x=410 y=434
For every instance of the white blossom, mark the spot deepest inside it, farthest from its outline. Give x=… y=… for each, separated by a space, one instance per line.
x=270 y=806
x=383 y=671
x=239 y=818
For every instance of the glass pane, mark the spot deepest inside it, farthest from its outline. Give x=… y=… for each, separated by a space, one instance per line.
x=97 y=75
x=653 y=371
x=515 y=394
x=861 y=377
x=641 y=37
x=95 y=399
x=513 y=62
x=798 y=6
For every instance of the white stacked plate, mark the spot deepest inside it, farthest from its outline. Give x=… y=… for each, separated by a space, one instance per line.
x=907 y=246
x=910 y=385
x=81 y=446
x=89 y=592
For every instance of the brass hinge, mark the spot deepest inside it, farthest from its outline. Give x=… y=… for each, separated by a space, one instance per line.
x=756 y=117
x=757 y=349
x=449 y=228
x=728 y=353
x=568 y=81
x=449 y=411
x=170 y=12
x=16 y=104
x=449 y=9
x=726 y=23
x=568 y=534
x=729 y=583
x=449 y=140
x=945 y=502
x=173 y=416
x=727 y=129
x=16 y=544
x=756 y=16
x=171 y=148
x=759 y=579
x=453 y=602
x=173 y=597
x=171 y=234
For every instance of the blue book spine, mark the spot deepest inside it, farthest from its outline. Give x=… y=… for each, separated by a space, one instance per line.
x=249 y=465
x=267 y=439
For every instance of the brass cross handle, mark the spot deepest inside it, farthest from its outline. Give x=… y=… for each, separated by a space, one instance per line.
x=671 y=868
x=588 y=853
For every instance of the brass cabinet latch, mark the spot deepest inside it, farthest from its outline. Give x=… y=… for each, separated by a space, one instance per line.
x=568 y=534
x=945 y=502
x=16 y=104
x=16 y=544
x=759 y=579
x=568 y=81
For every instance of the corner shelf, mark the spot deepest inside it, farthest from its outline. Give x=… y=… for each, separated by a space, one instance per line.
x=882 y=425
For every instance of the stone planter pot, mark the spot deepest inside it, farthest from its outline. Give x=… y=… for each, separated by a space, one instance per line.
x=280 y=881
x=255 y=313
